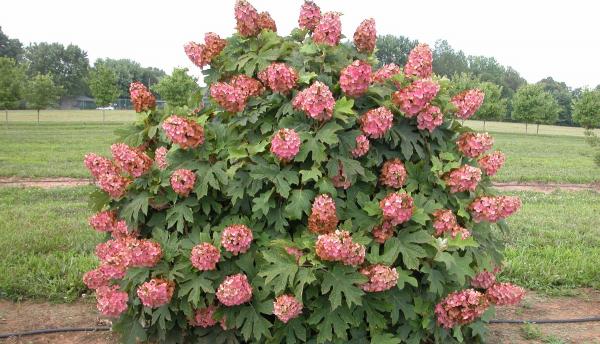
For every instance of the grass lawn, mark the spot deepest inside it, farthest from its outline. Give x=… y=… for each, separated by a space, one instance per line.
x=45 y=243
x=554 y=241
x=77 y=116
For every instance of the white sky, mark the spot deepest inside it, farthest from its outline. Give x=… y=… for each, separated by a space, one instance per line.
x=538 y=38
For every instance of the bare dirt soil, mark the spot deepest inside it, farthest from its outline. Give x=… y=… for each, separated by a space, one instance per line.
x=45 y=183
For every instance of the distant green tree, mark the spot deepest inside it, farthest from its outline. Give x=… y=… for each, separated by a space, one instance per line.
x=563 y=95
x=531 y=104
x=128 y=71
x=69 y=66
x=493 y=107
x=12 y=81
x=394 y=49
x=12 y=48
x=177 y=88
x=103 y=85
x=447 y=61
x=587 y=109
x=41 y=93
x=488 y=69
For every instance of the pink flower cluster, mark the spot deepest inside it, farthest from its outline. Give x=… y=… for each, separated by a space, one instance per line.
x=234 y=290
x=285 y=144
x=160 y=158
x=236 y=239
x=156 y=292
x=265 y=22
x=375 y=123
x=323 y=218
x=362 y=146
x=143 y=253
x=491 y=163
x=460 y=231
x=461 y=307
x=397 y=208
x=203 y=54
x=483 y=280
x=286 y=308
x=205 y=256
x=382 y=232
x=103 y=221
x=468 y=102
x=341 y=179
x=464 y=178
x=444 y=221
x=355 y=78
x=381 y=278
x=386 y=72
x=473 y=145
x=182 y=182
x=232 y=96
x=493 y=209
x=310 y=16
x=111 y=301
x=102 y=275
x=415 y=97
x=393 y=174
x=338 y=247
x=365 y=36
x=184 y=132
x=141 y=98
x=316 y=101
x=420 y=62
x=296 y=252
x=130 y=160
x=329 y=29
x=279 y=77
x=430 y=118
x=246 y=18
x=204 y=317
x=107 y=175
x=504 y=294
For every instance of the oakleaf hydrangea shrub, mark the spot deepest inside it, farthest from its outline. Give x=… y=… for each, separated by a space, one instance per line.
x=311 y=196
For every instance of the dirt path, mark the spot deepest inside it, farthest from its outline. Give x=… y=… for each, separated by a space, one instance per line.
x=45 y=183
x=28 y=315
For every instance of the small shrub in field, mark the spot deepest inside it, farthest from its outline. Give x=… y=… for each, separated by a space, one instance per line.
x=310 y=197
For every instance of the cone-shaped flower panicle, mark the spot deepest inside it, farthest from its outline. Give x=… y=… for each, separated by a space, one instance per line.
x=103 y=221
x=234 y=290
x=323 y=218
x=491 y=163
x=365 y=36
x=285 y=144
x=279 y=77
x=120 y=230
x=464 y=178
x=204 y=317
x=316 y=101
x=473 y=145
x=182 y=182
x=246 y=18
x=504 y=294
x=443 y=221
x=460 y=308
x=265 y=22
x=236 y=239
x=393 y=174
x=249 y=87
x=329 y=29
x=160 y=158
x=386 y=72
x=310 y=16
x=102 y=275
x=430 y=118
x=111 y=302
x=382 y=232
x=141 y=98
x=375 y=123
x=468 y=102
x=203 y=54
x=420 y=62
x=156 y=292
x=493 y=209
x=108 y=175
x=483 y=280
x=205 y=256
x=362 y=146
x=415 y=97
x=286 y=308
x=232 y=96
x=355 y=78
x=381 y=278
x=130 y=160
x=143 y=253
x=338 y=247
x=397 y=208
x=184 y=132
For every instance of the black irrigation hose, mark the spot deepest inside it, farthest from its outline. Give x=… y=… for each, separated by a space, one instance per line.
x=107 y=328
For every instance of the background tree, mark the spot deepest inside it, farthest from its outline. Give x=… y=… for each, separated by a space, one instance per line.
x=394 y=49
x=177 y=88
x=447 y=61
x=103 y=85
x=68 y=66
x=128 y=71
x=41 y=93
x=562 y=93
x=493 y=107
x=531 y=104
x=12 y=80
x=587 y=109
x=12 y=48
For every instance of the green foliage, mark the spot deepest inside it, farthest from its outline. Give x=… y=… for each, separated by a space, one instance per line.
x=12 y=82
x=394 y=49
x=41 y=92
x=128 y=71
x=448 y=62
x=587 y=109
x=176 y=89
x=563 y=95
x=10 y=47
x=103 y=85
x=531 y=104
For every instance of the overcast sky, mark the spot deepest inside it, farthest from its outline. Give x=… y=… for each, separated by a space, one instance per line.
x=538 y=38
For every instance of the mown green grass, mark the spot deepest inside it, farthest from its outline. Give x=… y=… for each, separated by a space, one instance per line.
x=76 y=116
x=45 y=243
x=554 y=241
